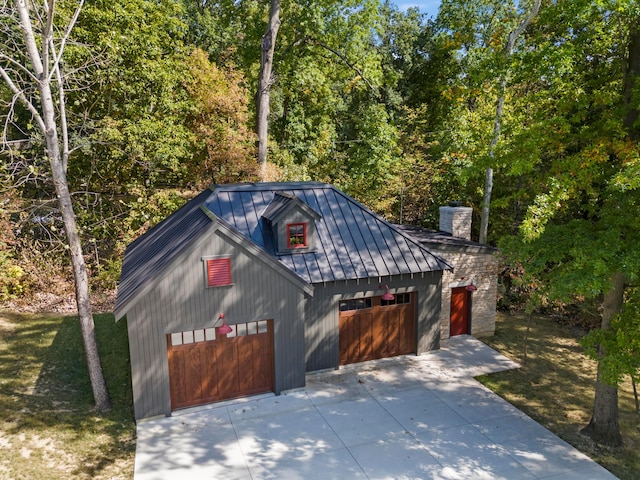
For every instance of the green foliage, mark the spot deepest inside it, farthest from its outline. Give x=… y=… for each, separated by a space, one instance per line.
x=137 y=103
x=12 y=279
x=621 y=343
x=147 y=118
x=146 y=211
x=582 y=222
x=335 y=99
x=219 y=119
x=396 y=110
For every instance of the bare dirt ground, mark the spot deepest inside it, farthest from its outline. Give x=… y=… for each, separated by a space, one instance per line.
x=61 y=303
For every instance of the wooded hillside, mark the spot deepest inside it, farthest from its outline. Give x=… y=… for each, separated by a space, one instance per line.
x=396 y=109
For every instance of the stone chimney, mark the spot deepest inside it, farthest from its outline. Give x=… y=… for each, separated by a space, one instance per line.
x=456 y=220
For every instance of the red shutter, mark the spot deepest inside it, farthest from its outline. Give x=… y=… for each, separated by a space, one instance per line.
x=219 y=272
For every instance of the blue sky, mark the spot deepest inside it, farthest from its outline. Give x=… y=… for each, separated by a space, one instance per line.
x=430 y=7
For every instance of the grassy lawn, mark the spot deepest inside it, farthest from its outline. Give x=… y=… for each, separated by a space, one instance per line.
x=48 y=429
x=556 y=387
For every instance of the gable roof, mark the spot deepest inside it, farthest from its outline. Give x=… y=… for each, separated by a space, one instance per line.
x=352 y=242
x=284 y=203
x=149 y=254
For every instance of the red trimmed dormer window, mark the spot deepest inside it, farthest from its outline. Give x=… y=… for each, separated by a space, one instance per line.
x=218 y=272
x=296 y=235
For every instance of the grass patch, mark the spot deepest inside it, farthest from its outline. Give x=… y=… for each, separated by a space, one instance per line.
x=556 y=387
x=48 y=427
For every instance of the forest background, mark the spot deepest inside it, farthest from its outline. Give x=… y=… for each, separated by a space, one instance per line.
x=396 y=109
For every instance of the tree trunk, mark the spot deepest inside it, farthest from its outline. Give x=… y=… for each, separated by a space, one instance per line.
x=488 y=186
x=486 y=205
x=631 y=74
x=603 y=427
x=265 y=81
x=47 y=122
x=81 y=280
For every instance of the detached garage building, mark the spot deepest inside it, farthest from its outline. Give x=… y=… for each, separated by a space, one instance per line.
x=247 y=287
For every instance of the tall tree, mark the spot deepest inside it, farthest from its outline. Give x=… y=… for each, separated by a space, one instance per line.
x=497 y=123
x=477 y=43
x=581 y=234
x=32 y=67
x=332 y=114
x=265 y=81
x=603 y=425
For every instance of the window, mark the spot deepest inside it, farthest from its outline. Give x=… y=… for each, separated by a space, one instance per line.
x=359 y=304
x=398 y=299
x=296 y=235
x=193 y=336
x=218 y=272
x=209 y=334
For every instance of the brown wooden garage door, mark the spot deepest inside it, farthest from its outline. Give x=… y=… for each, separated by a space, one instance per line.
x=205 y=367
x=372 y=328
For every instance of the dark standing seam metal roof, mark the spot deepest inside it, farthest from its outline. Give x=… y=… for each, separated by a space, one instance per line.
x=439 y=239
x=147 y=257
x=352 y=242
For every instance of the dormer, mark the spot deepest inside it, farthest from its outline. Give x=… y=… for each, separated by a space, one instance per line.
x=293 y=224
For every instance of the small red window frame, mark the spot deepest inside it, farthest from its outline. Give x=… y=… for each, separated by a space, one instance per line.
x=218 y=272
x=290 y=236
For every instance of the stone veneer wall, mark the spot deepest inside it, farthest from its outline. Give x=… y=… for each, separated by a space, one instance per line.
x=482 y=270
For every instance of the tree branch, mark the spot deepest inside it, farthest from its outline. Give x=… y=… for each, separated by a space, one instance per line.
x=343 y=58
x=72 y=23
x=18 y=65
x=63 y=112
x=29 y=39
x=20 y=94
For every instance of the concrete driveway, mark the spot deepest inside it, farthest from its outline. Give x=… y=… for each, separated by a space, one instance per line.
x=406 y=417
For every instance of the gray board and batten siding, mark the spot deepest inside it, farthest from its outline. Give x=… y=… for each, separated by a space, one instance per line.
x=180 y=301
x=163 y=283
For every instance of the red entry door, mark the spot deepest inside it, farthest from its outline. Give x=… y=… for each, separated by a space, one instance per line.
x=459 y=311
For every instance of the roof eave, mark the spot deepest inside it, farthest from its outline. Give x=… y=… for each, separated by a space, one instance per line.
x=121 y=310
